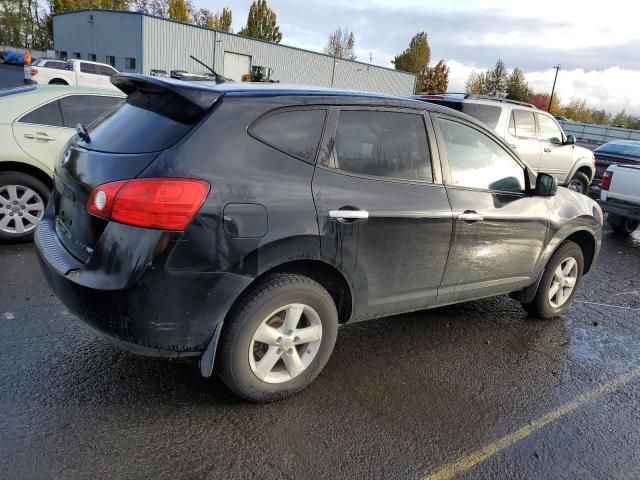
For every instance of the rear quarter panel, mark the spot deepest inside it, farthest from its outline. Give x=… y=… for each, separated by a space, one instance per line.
x=243 y=172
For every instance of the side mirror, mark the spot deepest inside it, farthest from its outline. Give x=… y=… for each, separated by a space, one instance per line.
x=571 y=140
x=546 y=185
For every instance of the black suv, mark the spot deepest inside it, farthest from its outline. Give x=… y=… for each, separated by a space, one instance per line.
x=241 y=224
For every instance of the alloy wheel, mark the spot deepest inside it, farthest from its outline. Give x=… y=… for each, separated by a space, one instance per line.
x=21 y=208
x=563 y=282
x=285 y=343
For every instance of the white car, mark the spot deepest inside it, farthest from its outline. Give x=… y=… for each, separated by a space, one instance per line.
x=534 y=134
x=76 y=72
x=620 y=197
x=35 y=125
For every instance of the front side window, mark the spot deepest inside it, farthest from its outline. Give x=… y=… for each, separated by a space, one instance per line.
x=522 y=124
x=549 y=130
x=294 y=132
x=383 y=144
x=477 y=161
x=48 y=114
x=85 y=108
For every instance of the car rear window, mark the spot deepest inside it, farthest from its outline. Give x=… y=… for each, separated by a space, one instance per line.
x=47 y=114
x=150 y=120
x=487 y=114
x=85 y=108
x=294 y=132
x=628 y=150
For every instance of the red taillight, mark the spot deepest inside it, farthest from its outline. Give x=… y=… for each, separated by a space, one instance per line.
x=605 y=181
x=34 y=72
x=162 y=203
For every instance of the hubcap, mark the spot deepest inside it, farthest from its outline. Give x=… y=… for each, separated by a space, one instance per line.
x=21 y=208
x=285 y=343
x=563 y=282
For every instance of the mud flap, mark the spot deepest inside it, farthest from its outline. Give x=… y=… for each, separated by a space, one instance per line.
x=209 y=355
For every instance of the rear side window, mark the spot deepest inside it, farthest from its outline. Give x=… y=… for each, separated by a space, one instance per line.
x=294 y=132
x=382 y=144
x=54 y=64
x=85 y=108
x=87 y=67
x=48 y=114
x=487 y=114
x=522 y=124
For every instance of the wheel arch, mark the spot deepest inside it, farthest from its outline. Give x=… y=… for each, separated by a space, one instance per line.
x=587 y=243
x=58 y=81
x=324 y=273
x=25 y=168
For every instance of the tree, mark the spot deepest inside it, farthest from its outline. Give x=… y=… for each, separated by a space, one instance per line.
x=541 y=101
x=497 y=80
x=577 y=110
x=416 y=57
x=476 y=83
x=221 y=20
x=600 y=117
x=517 y=87
x=262 y=23
x=435 y=79
x=178 y=11
x=621 y=119
x=341 y=44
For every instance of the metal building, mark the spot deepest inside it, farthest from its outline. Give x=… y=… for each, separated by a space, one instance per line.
x=137 y=42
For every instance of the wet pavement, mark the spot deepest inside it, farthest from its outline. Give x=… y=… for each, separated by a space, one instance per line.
x=471 y=391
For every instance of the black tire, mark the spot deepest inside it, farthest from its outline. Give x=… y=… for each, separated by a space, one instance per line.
x=623 y=226
x=274 y=292
x=22 y=180
x=541 y=306
x=580 y=183
x=57 y=81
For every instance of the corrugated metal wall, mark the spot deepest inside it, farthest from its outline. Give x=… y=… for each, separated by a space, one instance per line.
x=167 y=45
x=590 y=132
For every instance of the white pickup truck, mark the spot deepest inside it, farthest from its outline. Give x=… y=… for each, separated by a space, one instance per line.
x=620 y=197
x=77 y=72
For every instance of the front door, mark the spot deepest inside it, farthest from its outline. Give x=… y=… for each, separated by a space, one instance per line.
x=523 y=138
x=557 y=158
x=375 y=193
x=500 y=228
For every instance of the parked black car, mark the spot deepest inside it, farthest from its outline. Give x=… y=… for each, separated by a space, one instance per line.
x=618 y=152
x=244 y=223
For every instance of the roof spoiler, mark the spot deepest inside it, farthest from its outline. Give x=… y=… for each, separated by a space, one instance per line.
x=198 y=96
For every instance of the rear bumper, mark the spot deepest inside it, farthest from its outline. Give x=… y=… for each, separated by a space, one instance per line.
x=626 y=210
x=140 y=306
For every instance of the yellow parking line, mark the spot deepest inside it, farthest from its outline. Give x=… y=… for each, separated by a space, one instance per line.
x=467 y=462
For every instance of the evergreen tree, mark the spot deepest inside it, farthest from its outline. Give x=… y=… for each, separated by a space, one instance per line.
x=517 y=86
x=415 y=59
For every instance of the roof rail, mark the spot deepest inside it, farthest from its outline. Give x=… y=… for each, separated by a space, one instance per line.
x=482 y=97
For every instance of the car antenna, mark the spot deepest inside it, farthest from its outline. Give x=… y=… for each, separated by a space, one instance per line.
x=219 y=78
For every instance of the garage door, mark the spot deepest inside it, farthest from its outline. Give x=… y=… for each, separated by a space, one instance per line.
x=236 y=65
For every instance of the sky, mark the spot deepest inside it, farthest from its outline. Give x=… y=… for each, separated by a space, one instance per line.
x=597 y=44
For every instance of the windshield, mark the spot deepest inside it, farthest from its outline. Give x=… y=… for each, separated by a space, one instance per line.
x=626 y=149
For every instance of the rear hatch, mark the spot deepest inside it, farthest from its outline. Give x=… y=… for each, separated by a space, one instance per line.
x=119 y=146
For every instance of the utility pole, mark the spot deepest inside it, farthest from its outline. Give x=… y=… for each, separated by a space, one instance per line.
x=553 y=89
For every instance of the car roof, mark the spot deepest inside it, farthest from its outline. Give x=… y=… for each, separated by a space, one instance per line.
x=471 y=98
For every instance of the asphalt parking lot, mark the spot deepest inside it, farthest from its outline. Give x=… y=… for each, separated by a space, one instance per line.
x=470 y=391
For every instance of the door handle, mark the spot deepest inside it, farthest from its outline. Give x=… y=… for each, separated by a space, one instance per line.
x=547 y=149
x=470 y=216
x=39 y=136
x=349 y=214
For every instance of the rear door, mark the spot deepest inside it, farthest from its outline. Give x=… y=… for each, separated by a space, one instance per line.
x=500 y=228
x=557 y=158
x=43 y=132
x=523 y=138
x=382 y=211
